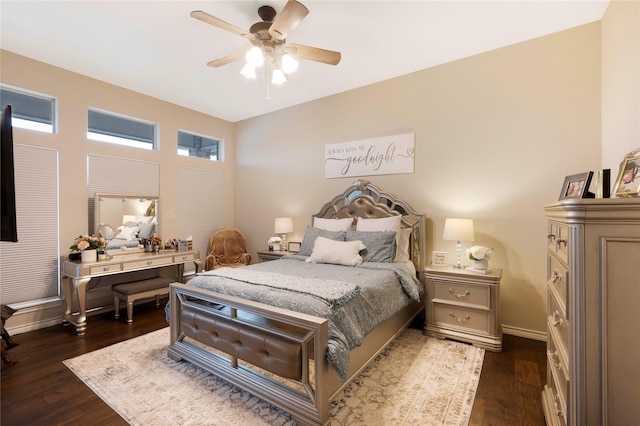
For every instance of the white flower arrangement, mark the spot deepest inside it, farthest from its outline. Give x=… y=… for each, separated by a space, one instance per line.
x=274 y=240
x=479 y=252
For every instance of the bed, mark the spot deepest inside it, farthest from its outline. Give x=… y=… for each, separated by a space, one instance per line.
x=283 y=338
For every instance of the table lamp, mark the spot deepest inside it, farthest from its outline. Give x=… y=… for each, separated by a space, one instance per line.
x=458 y=230
x=283 y=225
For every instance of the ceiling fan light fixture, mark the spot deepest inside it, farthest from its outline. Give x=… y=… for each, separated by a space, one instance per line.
x=249 y=71
x=289 y=63
x=278 y=77
x=255 y=57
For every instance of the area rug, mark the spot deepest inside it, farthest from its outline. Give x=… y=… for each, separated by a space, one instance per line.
x=415 y=381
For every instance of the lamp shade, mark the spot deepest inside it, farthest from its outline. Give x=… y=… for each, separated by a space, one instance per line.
x=283 y=225
x=458 y=230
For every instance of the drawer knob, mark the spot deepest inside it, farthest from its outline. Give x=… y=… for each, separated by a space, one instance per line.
x=458 y=295
x=555 y=277
x=149 y=262
x=556 y=319
x=561 y=241
x=555 y=360
x=465 y=319
x=106 y=269
x=551 y=237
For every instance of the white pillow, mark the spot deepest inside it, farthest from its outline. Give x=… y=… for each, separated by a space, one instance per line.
x=333 y=224
x=144 y=219
x=128 y=233
x=402 y=246
x=391 y=223
x=336 y=252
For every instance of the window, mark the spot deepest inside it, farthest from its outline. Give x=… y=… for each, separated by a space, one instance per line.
x=191 y=145
x=30 y=110
x=113 y=128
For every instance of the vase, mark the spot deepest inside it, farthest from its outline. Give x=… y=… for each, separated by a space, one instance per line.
x=481 y=265
x=89 y=255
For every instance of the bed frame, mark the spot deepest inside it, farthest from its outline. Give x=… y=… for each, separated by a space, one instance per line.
x=279 y=355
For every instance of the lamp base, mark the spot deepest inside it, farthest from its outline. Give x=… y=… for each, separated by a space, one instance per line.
x=284 y=243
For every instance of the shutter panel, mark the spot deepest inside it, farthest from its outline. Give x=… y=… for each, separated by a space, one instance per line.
x=30 y=268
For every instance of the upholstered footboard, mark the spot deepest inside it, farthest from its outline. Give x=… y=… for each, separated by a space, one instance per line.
x=276 y=354
x=265 y=350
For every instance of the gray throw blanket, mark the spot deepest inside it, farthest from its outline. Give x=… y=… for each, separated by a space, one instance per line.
x=335 y=293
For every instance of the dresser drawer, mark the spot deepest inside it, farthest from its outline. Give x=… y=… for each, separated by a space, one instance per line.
x=148 y=263
x=558 y=241
x=479 y=296
x=184 y=257
x=467 y=319
x=558 y=324
x=557 y=279
x=105 y=269
x=559 y=377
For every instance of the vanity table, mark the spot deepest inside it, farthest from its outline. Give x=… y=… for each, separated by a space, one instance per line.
x=76 y=276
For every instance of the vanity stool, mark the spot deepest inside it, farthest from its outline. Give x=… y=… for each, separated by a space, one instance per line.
x=130 y=292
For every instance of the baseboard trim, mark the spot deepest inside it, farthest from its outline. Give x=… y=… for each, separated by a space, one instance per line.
x=523 y=332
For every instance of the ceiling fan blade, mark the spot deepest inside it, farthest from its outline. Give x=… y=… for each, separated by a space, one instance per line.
x=217 y=22
x=226 y=60
x=292 y=13
x=314 y=53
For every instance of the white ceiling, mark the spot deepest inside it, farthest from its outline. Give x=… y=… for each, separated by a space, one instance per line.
x=156 y=48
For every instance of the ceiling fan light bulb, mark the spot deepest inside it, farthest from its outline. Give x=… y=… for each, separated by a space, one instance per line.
x=254 y=56
x=289 y=63
x=249 y=71
x=278 y=77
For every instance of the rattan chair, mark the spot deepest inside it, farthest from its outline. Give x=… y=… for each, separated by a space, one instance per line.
x=227 y=248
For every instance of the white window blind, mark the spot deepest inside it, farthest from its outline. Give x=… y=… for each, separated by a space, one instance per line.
x=120 y=176
x=29 y=269
x=200 y=205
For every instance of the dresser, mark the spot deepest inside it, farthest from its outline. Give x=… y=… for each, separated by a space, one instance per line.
x=464 y=305
x=593 y=312
x=77 y=275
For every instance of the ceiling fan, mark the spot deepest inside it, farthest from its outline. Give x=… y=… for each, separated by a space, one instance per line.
x=269 y=42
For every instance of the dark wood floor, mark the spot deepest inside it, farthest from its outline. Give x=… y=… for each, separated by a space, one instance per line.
x=38 y=389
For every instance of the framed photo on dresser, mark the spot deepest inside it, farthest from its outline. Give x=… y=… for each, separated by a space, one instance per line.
x=576 y=186
x=628 y=181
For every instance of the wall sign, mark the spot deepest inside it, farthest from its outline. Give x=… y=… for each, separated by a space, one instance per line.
x=377 y=156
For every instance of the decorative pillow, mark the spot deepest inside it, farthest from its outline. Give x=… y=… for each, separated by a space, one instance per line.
x=333 y=224
x=402 y=245
x=127 y=233
x=380 y=245
x=310 y=238
x=391 y=223
x=144 y=219
x=336 y=252
x=146 y=230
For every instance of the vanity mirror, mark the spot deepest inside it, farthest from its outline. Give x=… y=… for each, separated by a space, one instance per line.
x=132 y=217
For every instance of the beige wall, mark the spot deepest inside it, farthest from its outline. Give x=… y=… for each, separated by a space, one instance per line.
x=495 y=136
x=75 y=93
x=620 y=82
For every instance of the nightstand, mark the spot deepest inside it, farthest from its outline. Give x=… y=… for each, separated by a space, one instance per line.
x=464 y=305
x=266 y=256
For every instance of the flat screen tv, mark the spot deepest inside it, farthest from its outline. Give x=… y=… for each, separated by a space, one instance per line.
x=8 y=225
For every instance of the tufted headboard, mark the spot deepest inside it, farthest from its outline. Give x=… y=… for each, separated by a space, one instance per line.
x=364 y=200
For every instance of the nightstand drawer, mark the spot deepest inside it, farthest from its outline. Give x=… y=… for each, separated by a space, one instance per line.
x=148 y=263
x=557 y=279
x=467 y=319
x=478 y=296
